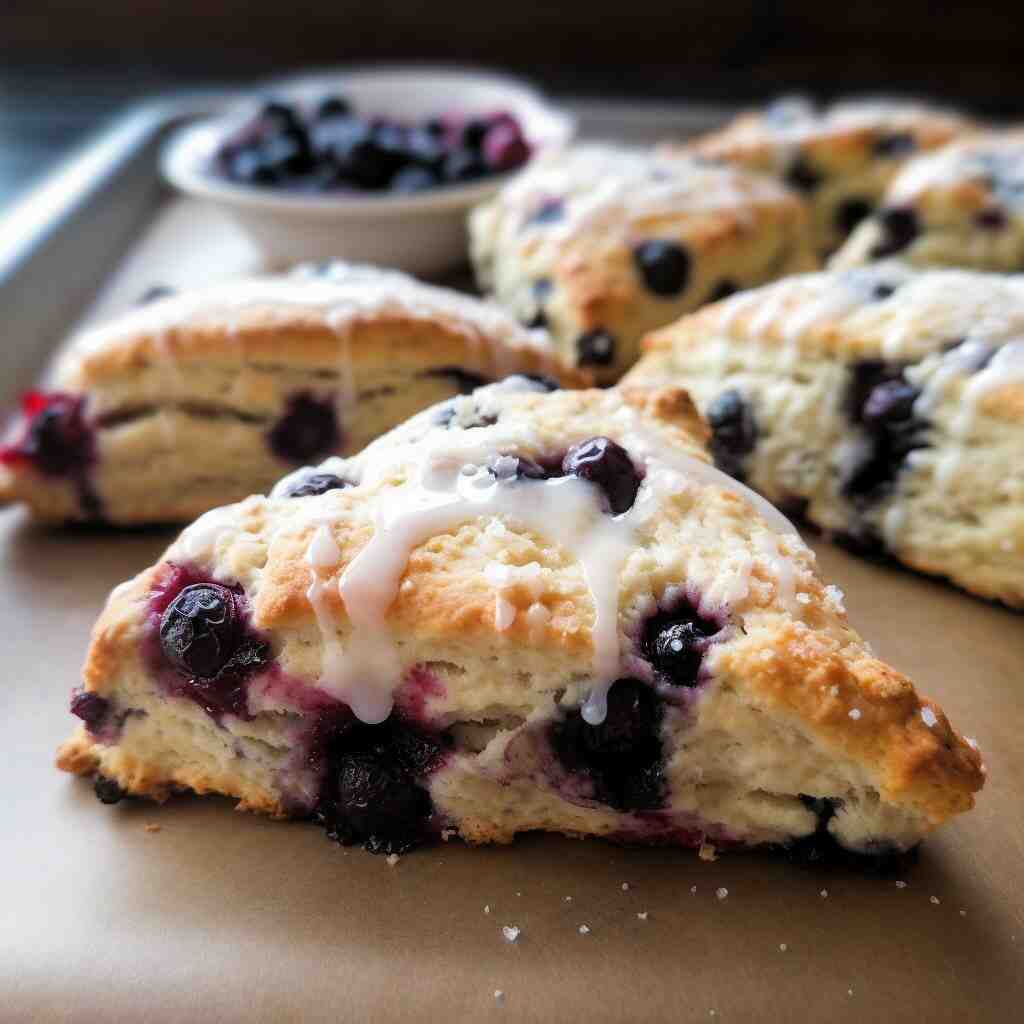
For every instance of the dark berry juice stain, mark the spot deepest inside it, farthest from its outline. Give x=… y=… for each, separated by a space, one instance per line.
x=820 y=848
x=899 y=227
x=606 y=464
x=882 y=402
x=372 y=791
x=733 y=431
x=57 y=440
x=550 y=211
x=595 y=348
x=307 y=429
x=664 y=266
x=675 y=640
x=317 y=483
x=621 y=758
x=201 y=643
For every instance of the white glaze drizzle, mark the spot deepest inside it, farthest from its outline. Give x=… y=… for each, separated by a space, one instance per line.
x=430 y=485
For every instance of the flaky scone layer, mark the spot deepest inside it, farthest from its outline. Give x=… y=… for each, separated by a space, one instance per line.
x=447 y=586
x=181 y=397
x=886 y=404
x=841 y=157
x=603 y=243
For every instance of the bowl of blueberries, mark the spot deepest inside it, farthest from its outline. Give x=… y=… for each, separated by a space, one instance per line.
x=378 y=166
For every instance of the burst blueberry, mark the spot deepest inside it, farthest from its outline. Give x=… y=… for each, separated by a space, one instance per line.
x=674 y=642
x=308 y=428
x=663 y=265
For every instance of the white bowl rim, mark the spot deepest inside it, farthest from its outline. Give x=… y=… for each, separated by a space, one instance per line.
x=183 y=160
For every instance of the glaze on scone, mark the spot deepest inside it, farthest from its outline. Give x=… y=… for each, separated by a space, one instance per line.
x=201 y=399
x=841 y=157
x=960 y=207
x=561 y=617
x=600 y=244
x=886 y=404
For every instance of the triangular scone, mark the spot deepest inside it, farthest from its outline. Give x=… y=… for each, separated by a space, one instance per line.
x=200 y=399
x=840 y=157
x=561 y=616
x=962 y=206
x=885 y=404
x=601 y=244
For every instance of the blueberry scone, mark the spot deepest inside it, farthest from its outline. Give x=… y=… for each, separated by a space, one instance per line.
x=886 y=404
x=960 y=207
x=841 y=157
x=601 y=244
x=521 y=610
x=202 y=398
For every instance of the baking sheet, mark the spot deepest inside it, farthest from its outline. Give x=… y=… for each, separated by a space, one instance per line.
x=221 y=916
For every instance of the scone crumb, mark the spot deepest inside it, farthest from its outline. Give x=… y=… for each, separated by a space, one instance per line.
x=510 y=931
x=625 y=886
x=693 y=890
x=824 y=894
x=783 y=947
x=153 y=827
x=935 y=900
x=499 y=997
x=707 y=852
x=642 y=914
x=722 y=892
x=487 y=908
x=901 y=885
x=392 y=859
x=584 y=929
x=834 y=600
x=568 y=899
x=928 y=717
x=855 y=713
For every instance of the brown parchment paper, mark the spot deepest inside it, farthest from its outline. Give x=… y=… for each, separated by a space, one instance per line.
x=220 y=916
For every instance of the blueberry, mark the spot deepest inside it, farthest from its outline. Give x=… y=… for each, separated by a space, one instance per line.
x=663 y=265
x=57 y=440
x=474 y=132
x=413 y=179
x=549 y=211
x=504 y=147
x=608 y=465
x=673 y=642
x=992 y=219
x=895 y=145
x=308 y=428
x=865 y=376
x=723 y=290
x=733 y=431
x=802 y=176
x=277 y=116
x=372 y=793
x=107 y=791
x=463 y=165
x=622 y=757
x=91 y=708
x=318 y=483
x=595 y=348
x=333 y=106
x=883 y=290
x=888 y=403
x=899 y=228
x=849 y=213
x=199 y=631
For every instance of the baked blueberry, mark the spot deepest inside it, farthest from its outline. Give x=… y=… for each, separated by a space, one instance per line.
x=663 y=265
x=899 y=228
x=733 y=431
x=992 y=219
x=595 y=348
x=621 y=757
x=308 y=428
x=372 y=792
x=850 y=212
x=199 y=631
x=57 y=439
x=463 y=165
x=318 y=483
x=608 y=465
x=91 y=708
x=802 y=176
x=107 y=791
x=895 y=145
x=413 y=179
x=888 y=404
x=674 y=642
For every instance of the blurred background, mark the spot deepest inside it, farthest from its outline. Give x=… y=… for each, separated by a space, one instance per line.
x=67 y=66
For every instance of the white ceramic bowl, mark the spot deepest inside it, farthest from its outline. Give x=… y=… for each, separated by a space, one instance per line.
x=423 y=233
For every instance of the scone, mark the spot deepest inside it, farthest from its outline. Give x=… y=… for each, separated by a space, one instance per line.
x=960 y=207
x=885 y=404
x=601 y=244
x=203 y=398
x=841 y=158
x=521 y=610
